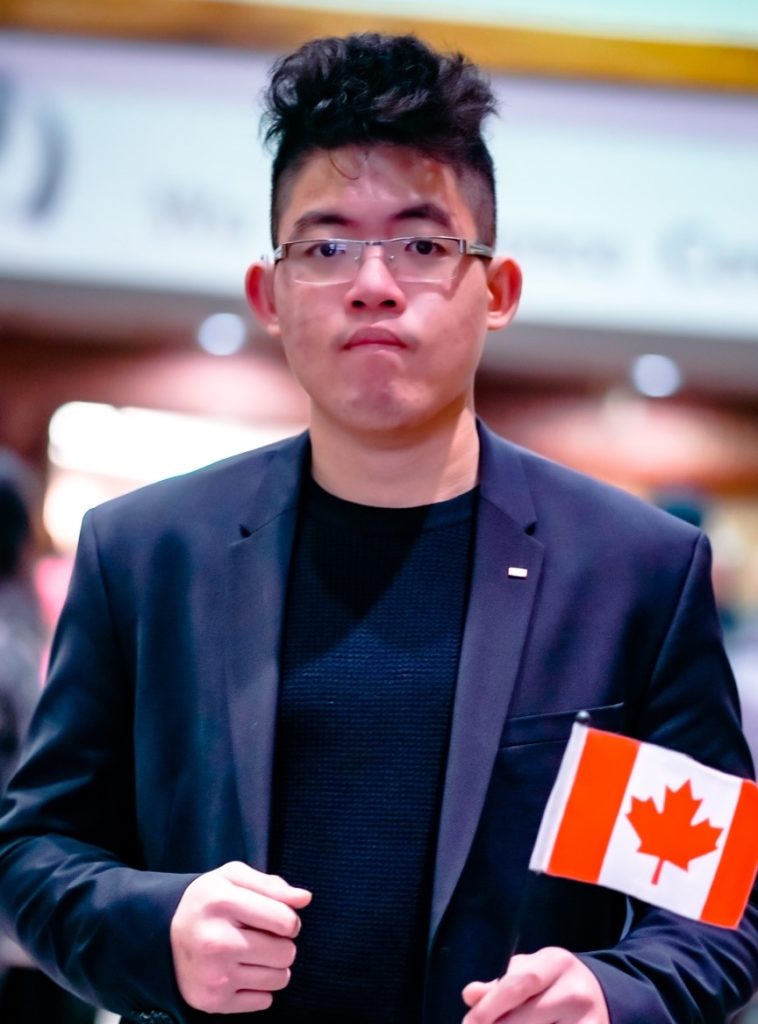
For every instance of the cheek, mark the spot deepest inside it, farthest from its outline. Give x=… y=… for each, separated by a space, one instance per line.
x=458 y=328
x=304 y=315
x=300 y=325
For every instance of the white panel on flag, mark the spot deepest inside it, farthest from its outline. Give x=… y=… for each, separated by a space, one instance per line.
x=657 y=774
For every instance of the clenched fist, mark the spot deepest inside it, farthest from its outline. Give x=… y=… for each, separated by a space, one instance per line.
x=232 y=938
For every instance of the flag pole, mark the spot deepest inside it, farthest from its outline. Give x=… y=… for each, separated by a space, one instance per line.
x=582 y=718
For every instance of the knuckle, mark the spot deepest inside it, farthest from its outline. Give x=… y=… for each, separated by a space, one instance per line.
x=559 y=956
x=234 y=872
x=209 y=948
x=289 y=952
x=211 y=944
x=530 y=980
x=221 y=905
x=233 y=867
x=280 y=980
x=208 y=1001
x=556 y=955
x=280 y=953
x=288 y=923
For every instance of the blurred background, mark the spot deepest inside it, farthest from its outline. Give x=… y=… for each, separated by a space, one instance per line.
x=134 y=193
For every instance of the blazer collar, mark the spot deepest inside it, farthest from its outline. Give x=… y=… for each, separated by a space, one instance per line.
x=273 y=482
x=275 y=487
x=502 y=480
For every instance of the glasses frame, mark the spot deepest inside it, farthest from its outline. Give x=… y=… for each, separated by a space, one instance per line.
x=465 y=248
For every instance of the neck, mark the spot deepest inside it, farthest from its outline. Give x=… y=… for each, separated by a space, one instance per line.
x=412 y=466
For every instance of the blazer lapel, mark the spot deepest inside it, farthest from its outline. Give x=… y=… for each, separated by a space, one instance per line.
x=497 y=621
x=257 y=579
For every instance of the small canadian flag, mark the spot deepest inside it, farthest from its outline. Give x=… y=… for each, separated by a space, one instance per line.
x=652 y=823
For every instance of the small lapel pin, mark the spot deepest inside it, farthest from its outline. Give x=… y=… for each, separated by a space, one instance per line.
x=517 y=572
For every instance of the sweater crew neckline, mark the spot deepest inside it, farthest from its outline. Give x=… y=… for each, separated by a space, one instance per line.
x=331 y=510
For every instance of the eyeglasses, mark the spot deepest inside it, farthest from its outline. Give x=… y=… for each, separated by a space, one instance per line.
x=416 y=258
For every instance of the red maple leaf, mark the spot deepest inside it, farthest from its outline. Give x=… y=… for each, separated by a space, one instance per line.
x=669 y=833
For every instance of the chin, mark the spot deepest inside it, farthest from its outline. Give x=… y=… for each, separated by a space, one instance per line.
x=394 y=418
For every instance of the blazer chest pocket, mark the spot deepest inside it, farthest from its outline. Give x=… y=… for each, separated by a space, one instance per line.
x=555 y=728
x=527 y=762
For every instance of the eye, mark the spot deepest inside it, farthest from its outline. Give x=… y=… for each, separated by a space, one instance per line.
x=425 y=247
x=327 y=249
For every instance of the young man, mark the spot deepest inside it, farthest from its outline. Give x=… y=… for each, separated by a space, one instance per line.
x=312 y=700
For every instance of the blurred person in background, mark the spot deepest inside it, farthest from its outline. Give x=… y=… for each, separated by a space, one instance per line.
x=740 y=626
x=27 y=996
x=742 y=648
x=346 y=666
x=22 y=633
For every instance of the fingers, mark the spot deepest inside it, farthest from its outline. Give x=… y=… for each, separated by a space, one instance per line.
x=548 y=987
x=473 y=993
x=220 y=993
x=232 y=938
x=494 y=999
x=261 y=948
x=244 y=1002
x=273 y=886
x=249 y=909
x=261 y=979
x=249 y=898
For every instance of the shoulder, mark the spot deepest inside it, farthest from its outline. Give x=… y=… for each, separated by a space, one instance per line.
x=584 y=517
x=203 y=497
x=553 y=485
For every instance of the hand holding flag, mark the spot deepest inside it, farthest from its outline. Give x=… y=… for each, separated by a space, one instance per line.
x=652 y=823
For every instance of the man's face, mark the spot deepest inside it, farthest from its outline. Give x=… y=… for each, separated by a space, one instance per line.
x=378 y=355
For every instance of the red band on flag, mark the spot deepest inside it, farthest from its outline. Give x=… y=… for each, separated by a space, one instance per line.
x=734 y=878
x=593 y=805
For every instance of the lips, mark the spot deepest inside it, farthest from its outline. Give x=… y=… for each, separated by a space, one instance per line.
x=380 y=336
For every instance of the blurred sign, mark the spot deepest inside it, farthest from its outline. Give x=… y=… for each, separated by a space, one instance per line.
x=735 y=20
x=141 y=166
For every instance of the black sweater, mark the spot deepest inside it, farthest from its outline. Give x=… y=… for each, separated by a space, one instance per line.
x=374 y=621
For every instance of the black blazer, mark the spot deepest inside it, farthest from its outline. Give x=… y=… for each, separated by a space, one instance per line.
x=150 y=758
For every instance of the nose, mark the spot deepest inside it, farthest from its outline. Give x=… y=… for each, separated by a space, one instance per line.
x=374 y=286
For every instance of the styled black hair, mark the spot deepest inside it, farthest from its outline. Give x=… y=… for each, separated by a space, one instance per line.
x=371 y=89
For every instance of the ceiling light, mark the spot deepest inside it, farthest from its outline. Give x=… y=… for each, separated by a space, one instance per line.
x=222 y=334
x=656 y=376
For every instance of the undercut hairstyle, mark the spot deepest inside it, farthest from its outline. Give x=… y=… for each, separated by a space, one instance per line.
x=373 y=89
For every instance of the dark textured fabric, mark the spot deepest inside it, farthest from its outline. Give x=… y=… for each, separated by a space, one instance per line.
x=374 y=620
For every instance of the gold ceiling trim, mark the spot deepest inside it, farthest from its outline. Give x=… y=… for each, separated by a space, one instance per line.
x=508 y=50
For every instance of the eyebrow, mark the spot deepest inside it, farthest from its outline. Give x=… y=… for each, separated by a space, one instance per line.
x=331 y=218
x=424 y=211
x=319 y=219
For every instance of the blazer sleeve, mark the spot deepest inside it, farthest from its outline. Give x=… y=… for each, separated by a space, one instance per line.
x=73 y=888
x=669 y=969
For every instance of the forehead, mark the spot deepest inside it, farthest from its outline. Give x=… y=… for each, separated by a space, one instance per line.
x=376 y=185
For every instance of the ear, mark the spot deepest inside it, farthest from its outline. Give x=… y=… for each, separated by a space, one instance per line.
x=504 y=287
x=259 y=289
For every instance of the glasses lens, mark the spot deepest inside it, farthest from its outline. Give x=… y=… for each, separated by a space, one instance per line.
x=424 y=258
x=324 y=259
